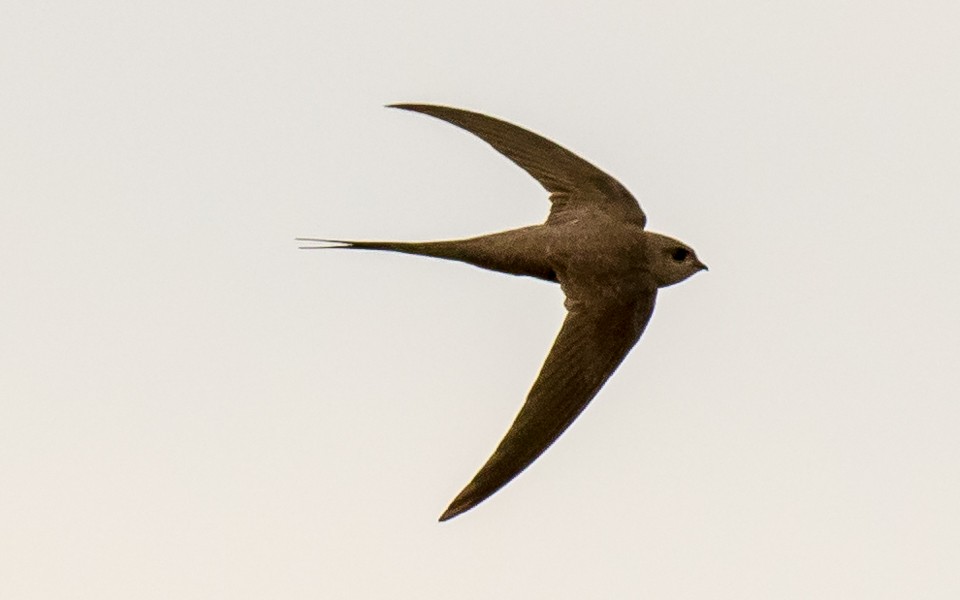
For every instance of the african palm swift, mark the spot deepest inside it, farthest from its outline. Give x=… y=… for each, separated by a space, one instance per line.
x=594 y=245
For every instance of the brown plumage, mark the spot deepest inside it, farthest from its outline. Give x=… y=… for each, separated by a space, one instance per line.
x=594 y=245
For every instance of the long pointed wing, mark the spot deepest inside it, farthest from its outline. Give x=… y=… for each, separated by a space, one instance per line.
x=594 y=339
x=574 y=183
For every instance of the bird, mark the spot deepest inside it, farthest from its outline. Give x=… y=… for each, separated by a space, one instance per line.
x=595 y=245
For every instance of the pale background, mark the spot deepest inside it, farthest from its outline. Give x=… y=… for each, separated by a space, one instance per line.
x=190 y=407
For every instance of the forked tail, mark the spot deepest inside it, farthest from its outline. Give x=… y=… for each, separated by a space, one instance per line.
x=515 y=252
x=437 y=249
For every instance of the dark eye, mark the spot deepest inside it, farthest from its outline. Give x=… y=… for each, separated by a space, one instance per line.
x=680 y=254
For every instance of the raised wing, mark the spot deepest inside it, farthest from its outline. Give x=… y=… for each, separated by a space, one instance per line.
x=574 y=184
x=593 y=341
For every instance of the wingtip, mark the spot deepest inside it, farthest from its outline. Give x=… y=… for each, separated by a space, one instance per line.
x=464 y=501
x=420 y=107
x=453 y=510
x=446 y=516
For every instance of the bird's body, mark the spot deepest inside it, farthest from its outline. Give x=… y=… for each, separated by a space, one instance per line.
x=595 y=246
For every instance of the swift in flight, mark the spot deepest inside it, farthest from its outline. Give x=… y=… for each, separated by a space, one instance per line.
x=594 y=245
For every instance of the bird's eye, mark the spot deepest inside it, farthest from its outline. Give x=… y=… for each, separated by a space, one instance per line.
x=680 y=254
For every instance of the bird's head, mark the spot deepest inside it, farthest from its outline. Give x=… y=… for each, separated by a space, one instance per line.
x=671 y=261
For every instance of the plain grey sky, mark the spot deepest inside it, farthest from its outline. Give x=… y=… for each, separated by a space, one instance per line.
x=192 y=408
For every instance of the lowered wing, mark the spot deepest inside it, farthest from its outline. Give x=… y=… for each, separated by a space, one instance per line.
x=593 y=341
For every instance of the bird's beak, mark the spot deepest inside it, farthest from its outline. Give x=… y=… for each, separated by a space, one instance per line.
x=702 y=266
